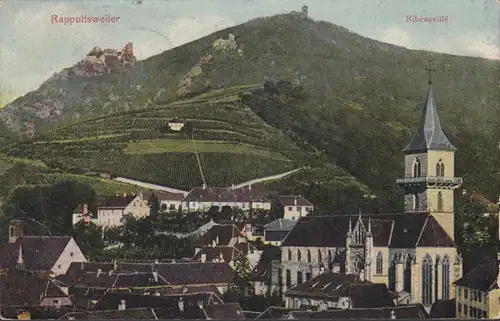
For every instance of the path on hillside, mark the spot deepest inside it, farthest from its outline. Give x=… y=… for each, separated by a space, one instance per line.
x=267 y=178
x=149 y=185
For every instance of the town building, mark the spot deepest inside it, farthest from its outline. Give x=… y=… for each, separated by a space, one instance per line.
x=202 y=198
x=169 y=202
x=276 y=231
x=50 y=254
x=331 y=290
x=414 y=252
x=111 y=211
x=294 y=207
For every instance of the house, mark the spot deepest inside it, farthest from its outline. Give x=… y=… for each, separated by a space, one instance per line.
x=274 y=313
x=489 y=207
x=175 y=125
x=339 y=291
x=478 y=292
x=82 y=213
x=29 y=291
x=276 y=231
x=202 y=198
x=220 y=235
x=38 y=253
x=128 y=314
x=414 y=252
x=265 y=276
x=294 y=207
x=169 y=202
x=415 y=311
x=111 y=211
x=443 y=309
x=228 y=254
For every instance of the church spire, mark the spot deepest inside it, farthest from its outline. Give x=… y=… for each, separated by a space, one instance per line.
x=429 y=134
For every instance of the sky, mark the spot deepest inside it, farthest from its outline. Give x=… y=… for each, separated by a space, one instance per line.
x=33 y=47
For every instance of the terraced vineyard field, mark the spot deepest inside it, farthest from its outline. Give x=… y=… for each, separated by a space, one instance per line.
x=220 y=138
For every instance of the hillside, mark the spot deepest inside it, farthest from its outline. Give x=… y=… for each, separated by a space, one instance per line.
x=352 y=102
x=221 y=143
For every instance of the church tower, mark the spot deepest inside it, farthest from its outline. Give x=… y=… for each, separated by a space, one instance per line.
x=429 y=180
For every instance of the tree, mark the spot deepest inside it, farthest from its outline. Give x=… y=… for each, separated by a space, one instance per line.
x=241 y=290
x=88 y=236
x=154 y=205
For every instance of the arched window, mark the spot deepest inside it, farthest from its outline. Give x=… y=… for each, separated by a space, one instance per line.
x=299 y=256
x=440 y=168
x=320 y=259
x=416 y=201
x=427 y=280
x=440 y=202
x=407 y=274
x=445 y=278
x=417 y=168
x=289 y=255
x=308 y=256
x=380 y=263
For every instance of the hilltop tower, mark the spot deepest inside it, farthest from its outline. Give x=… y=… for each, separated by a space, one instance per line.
x=429 y=180
x=305 y=10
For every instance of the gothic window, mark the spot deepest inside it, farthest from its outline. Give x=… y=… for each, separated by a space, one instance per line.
x=417 y=168
x=289 y=255
x=445 y=279
x=380 y=263
x=319 y=256
x=308 y=256
x=392 y=276
x=440 y=169
x=299 y=256
x=407 y=275
x=440 y=202
x=427 y=280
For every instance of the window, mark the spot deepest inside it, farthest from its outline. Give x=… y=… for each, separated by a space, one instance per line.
x=445 y=279
x=459 y=292
x=407 y=274
x=480 y=296
x=299 y=256
x=379 y=263
x=466 y=294
x=475 y=295
x=427 y=280
x=330 y=257
x=308 y=276
x=485 y=315
x=417 y=168
x=71 y=254
x=289 y=208
x=440 y=202
x=416 y=201
x=466 y=310
x=308 y=256
x=298 y=209
x=299 y=278
x=319 y=256
x=459 y=308
x=288 y=278
x=59 y=266
x=289 y=255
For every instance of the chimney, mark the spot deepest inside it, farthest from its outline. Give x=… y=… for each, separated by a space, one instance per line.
x=295 y=201
x=203 y=258
x=99 y=271
x=393 y=314
x=122 y=305
x=221 y=257
x=214 y=243
x=335 y=268
x=155 y=276
x=115 y=265
x=181 y=304
x=184 y=289
x=250 y=187
x=204 y=186
x=157 y=293
x=232 y=186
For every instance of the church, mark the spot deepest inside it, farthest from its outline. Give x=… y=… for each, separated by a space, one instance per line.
x=413 y=253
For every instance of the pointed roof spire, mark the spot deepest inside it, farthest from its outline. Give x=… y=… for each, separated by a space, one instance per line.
x=429 y=134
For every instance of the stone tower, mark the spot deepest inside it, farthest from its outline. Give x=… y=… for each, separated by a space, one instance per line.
x=15 y=230
x=305 y=10
x=429 y=180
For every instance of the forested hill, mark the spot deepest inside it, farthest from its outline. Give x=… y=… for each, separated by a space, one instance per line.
x=359 y=99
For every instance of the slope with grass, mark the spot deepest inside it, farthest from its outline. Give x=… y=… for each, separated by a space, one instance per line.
x=222 y=143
